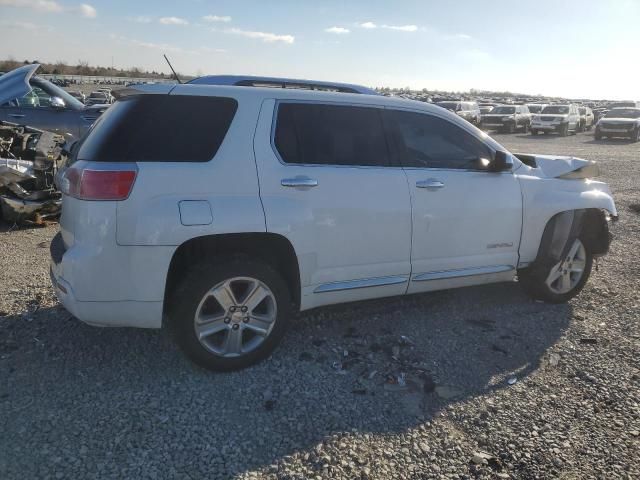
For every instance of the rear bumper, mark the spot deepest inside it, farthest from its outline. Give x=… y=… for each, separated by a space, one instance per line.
x=109 y=288
x=106 y=314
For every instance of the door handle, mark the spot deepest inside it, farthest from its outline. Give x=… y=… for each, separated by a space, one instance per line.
x=429 y=183
x=16 y=115
x=299 y=182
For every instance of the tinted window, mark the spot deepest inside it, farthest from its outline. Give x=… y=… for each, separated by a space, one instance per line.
x=159 y=128
x=428 y=141
x=330 y=135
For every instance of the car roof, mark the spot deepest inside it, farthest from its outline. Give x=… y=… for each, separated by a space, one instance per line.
x=277 y=82
x=285 y=94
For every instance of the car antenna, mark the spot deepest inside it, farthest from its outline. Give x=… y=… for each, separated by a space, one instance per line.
x=174 y=72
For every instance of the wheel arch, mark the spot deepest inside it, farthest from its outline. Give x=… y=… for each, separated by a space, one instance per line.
x=589 y=224
x=271 y=248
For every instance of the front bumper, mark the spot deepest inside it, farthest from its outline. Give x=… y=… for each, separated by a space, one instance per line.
x=614 y=131
x=124 y=313
x=495 y=124
x=547 y=126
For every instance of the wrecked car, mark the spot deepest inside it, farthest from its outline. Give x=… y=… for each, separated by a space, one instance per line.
x=269 y=201
x=29 y=100
x=29 y=161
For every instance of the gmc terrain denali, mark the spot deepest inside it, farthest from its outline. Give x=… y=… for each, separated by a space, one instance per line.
x=218 y=210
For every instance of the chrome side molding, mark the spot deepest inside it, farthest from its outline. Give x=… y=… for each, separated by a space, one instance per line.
x=362 y=283
x=463 y=272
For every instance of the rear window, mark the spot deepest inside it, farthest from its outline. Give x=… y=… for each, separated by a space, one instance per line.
x=159 y=128
x=308 y=133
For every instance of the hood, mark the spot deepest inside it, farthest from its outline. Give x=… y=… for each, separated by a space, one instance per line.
x=15 y=84
x=618 y=121
x=553 y=166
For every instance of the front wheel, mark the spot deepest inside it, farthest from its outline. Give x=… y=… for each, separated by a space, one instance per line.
x=560 y=282
x=228 y=315
x=525 y=128
x=564 y=130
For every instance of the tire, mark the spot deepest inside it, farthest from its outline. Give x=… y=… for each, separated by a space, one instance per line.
x=597 y=136
x=511 y=128
x=230 y=342
x=537 y=281
x=636 y=135
x=534 y=131
x=525 y=128
x=564 y=130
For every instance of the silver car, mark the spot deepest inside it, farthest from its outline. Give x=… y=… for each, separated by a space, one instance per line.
x=41 y=104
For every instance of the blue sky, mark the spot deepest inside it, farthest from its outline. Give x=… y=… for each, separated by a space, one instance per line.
x=572 y=48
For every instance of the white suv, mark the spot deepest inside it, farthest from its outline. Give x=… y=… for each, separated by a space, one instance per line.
x=219 y=210
x=560 y=119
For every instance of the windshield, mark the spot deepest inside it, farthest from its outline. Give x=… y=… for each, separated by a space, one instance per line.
x=535 y=108
x=453 y=106
x=55 y=91
x=562 y=109
x=508 y=110
x=623 y=113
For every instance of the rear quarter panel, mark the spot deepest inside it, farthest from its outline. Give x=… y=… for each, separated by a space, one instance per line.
x=228 y=182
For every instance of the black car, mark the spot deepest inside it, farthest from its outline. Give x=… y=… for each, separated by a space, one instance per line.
x=507 y=118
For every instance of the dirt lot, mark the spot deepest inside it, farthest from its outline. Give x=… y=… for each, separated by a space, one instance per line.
x=83 y=402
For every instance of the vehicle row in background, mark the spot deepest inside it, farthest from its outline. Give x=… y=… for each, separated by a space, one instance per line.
x=470 y=111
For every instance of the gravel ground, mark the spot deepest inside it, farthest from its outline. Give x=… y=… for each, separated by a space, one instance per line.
x=470 y=383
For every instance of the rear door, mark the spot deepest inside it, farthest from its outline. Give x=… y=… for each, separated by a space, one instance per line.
x=327 y=185
x=466 y=220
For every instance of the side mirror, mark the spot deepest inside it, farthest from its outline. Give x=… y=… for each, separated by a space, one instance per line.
x=57 y=103
x=500 y=162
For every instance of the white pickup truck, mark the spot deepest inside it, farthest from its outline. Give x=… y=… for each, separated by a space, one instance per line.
x=219 y=207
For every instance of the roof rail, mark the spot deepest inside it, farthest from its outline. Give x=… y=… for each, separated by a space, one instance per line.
x=275 y=82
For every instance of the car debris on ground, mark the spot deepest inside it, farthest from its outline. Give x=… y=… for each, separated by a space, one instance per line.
x=29 y=161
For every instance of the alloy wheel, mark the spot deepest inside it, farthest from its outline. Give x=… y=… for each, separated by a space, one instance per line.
x=566 y=274
x=235 y=317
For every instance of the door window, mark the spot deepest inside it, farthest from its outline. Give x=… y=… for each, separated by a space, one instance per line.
x=427 y=141
x=316 y=134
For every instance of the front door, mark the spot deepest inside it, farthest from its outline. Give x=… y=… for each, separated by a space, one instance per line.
x=466 y=220
x=327 y=185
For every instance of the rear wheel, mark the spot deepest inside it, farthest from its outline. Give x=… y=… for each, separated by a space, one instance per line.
x=561 y=281
x=525 y=128
x=228 y=315
x=598 y=136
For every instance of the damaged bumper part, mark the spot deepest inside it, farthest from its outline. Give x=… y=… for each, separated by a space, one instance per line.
x=29 y=160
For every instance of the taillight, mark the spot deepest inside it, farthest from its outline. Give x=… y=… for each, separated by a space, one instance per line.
x=98 y=184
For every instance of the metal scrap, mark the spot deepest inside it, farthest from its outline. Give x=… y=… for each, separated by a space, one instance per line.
x=29 y=161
